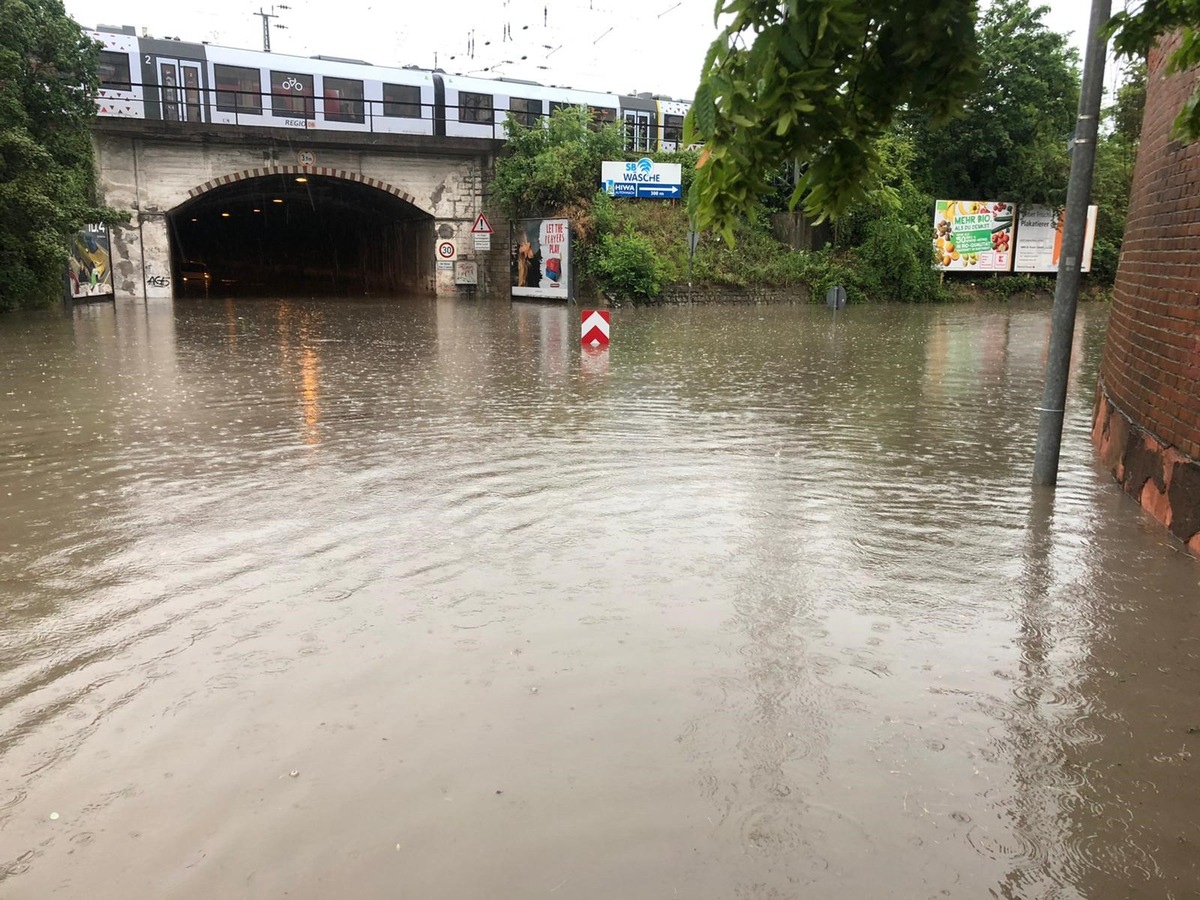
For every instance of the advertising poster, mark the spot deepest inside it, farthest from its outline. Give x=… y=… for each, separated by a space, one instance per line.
x=1039 y=239
x=973 y=235
x=89 y=266
x=541 y=259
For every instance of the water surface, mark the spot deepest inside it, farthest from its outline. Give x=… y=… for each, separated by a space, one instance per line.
x=419 y=599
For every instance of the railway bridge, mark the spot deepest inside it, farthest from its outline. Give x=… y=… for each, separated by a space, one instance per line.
x=225 y=210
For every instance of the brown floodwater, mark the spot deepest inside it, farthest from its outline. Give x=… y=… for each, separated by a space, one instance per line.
x=417 y=599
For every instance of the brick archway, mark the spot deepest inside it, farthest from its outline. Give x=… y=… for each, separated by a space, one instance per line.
x=326 y=171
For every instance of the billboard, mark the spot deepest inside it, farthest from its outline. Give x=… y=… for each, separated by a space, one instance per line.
x=644 y=178
x=973 y=235
x=541 y=259
x=89 y=265
x=1039 y=239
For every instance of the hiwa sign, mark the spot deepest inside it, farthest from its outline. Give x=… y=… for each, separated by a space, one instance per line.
x=645 y=179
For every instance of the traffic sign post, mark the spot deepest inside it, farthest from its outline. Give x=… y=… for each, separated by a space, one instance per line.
x=693 y=241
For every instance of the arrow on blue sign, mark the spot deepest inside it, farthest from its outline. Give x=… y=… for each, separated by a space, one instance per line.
x=659 y=190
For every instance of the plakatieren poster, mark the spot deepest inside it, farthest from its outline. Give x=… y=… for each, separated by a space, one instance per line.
x=1039 y=239
x=541 y=259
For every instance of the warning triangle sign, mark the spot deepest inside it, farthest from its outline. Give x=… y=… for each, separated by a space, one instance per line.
x=482 y=225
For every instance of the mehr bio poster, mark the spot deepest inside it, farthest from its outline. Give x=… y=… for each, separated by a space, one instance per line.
x=973 y=235
x=1039 y=239
x=541 y=259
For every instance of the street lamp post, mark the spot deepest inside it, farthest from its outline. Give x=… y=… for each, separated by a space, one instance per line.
x=1066 y=288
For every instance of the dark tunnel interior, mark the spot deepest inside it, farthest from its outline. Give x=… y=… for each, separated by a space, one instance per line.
x=300 y=236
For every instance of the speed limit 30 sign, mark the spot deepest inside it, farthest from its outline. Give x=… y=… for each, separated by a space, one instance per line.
x=446 y=250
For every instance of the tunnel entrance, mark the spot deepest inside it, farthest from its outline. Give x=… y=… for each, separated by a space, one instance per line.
x=300 y=235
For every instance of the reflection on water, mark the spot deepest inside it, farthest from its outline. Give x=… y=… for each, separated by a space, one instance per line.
x=756 y=603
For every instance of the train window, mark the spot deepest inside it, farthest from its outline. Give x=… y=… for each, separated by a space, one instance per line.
x=556 y=105
x=343 y=100
x=402 y=101
x=291 y=95
x=673 y=129
x=475 y=108
x=239 y=90
x=602 y=115
x=527 y=112
x=114 y=71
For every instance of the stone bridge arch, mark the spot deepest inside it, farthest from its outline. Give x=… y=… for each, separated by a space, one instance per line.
x=299 y=230
x=299 y=170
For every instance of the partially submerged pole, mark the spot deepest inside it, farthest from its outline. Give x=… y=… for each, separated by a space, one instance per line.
x=1066 y=289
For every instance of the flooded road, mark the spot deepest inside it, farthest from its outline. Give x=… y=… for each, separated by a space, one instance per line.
x=420 y=600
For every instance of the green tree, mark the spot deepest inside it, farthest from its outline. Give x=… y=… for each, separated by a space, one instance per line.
x=1137 y=32
x=1011 y=143
x=1113 y=175
x=47 y=179
x=887 y=233
x=1126 y=112
x=818 y=82
x=550 y=170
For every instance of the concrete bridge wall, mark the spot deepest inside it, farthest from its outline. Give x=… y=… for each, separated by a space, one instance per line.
x=148 y=171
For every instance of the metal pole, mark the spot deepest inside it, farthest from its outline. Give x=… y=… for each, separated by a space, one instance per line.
x=1066 y=289
x=267 y=17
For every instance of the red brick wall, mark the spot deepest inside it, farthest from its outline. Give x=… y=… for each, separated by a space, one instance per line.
x=1148 y=401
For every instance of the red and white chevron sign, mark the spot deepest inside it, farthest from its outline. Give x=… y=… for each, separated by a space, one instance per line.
x=595 y=327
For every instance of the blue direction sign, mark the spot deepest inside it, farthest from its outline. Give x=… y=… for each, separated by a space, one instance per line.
x=660 y=191
x=644 y=179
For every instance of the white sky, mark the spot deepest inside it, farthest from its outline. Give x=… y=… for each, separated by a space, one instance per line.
x=617 y=46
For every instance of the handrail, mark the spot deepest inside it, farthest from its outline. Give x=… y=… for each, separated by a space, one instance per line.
x=361 y=111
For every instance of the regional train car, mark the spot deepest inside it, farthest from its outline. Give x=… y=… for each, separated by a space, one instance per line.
x=670 y=124
x=174 y=81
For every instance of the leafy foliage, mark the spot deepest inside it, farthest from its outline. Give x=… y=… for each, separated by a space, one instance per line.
x=47 y=182
x=1130 y=105
x=1137 y=32
x=1012 y=142
x=629 y=267
x=545 y=170
x=818 y=82
x=1112 y=178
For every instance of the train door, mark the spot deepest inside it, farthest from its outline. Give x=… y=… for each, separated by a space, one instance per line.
x=637 y=130
x=180 y=88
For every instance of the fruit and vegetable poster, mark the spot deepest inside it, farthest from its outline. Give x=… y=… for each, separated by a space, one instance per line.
x=973 y=235
x=1039 y=239
x=541 y=259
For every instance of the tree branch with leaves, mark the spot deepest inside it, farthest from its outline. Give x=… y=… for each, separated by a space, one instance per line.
x=817 y=83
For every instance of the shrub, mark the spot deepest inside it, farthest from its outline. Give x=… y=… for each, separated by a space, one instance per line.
x=628 y=267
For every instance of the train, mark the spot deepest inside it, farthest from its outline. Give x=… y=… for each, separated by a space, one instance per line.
x=170 y=80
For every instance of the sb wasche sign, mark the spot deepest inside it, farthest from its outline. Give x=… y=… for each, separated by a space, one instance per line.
x=595 y=328
x=645 y=179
